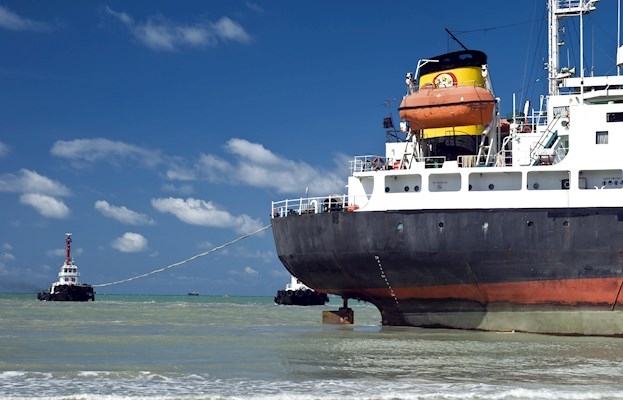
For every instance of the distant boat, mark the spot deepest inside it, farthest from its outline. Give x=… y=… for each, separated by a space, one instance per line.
x=67 y=288
x=193 y=293
x=297 y=294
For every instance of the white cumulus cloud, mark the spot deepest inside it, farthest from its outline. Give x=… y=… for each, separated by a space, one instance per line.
x=47 y=206
x=254 y=165
x=159 y=33
x=27 y=181
x=130 y=242
x=205 y=213
x=250 y=271
x=14 y=22
x=227 y=29
x=122 y=214
x=101 y=149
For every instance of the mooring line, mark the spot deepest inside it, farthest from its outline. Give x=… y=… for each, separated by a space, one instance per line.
x=614 y=303
x=184 y=261
x=391 y=290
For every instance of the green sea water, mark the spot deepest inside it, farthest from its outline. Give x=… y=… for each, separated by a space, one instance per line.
x=208 y=347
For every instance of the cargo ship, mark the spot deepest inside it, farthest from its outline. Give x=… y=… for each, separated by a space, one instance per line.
x=521 y=232
x=68 y=288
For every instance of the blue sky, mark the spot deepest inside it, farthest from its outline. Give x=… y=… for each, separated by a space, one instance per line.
x=157 y=130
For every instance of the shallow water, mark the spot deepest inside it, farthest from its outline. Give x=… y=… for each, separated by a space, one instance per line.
x=185 y=347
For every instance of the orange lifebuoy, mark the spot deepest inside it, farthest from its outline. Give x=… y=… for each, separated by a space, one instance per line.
x=352 y=207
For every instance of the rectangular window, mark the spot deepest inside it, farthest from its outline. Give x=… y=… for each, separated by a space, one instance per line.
x=601 y=137
x=614 y=117
x=561 y=112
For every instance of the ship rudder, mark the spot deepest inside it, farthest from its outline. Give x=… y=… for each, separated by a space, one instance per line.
x=343 y=315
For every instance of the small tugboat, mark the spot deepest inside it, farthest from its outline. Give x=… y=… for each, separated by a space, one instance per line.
x=67 y=288
x=297 y=294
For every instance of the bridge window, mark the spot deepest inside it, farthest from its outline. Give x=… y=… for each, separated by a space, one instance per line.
x=614 y=117
x=601 y=137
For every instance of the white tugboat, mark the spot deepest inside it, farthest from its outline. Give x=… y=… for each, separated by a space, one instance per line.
x=297 y=294
x=67 y=288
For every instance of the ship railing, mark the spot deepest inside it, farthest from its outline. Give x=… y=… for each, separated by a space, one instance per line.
x=315 y=205
x=528 y=123
x=366 y=163
x=375 y=163
x=431 y=85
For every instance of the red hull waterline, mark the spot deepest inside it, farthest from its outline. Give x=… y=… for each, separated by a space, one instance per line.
x=567 y=307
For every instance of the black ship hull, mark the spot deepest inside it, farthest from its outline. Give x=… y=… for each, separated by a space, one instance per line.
x=536 y=270
x=68 y=293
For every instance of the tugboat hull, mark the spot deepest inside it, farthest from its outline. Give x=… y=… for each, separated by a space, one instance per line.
x=68 y=293
x=301 y=297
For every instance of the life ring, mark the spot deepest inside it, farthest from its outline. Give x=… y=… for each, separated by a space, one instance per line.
x=352 y=207
x=377 y=163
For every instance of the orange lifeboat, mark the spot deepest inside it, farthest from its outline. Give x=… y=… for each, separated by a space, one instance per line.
x=439 y=107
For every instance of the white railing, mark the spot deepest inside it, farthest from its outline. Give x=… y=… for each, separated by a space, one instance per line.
x=315 y=205
x=366 y=163
x=374 y=163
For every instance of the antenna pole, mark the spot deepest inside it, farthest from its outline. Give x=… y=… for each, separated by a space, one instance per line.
x=455 y=39
x=68 y=248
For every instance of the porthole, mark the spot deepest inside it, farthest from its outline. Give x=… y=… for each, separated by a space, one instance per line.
x=441 y=224
x=406 y=188
x=491 y=186
x=416 y=188
x=536 y=185
x=529 y=223
x=387 y=189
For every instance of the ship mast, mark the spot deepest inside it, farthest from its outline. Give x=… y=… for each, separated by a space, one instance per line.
x=557 y=10
x=68 y=274
x=68 y=249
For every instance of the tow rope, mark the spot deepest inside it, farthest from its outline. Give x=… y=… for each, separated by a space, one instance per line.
x=177 y=264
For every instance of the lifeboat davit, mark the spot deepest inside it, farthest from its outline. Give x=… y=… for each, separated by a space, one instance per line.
x=438 y=107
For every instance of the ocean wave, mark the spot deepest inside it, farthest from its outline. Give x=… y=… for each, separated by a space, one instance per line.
x=139 y=385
